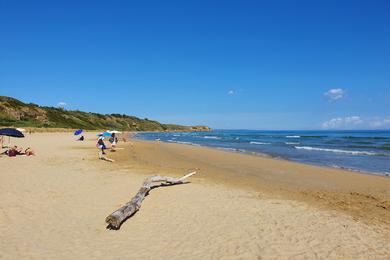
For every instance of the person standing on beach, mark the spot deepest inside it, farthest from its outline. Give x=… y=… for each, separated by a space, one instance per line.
x=101 y=145
x=113 y=140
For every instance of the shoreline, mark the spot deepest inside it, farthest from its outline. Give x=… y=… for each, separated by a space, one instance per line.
x=265 y=155
x=363 y=196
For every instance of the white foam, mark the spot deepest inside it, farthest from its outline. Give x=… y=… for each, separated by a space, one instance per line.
x=179 y=142
x=293 y=136
x=309 y=148
x=291 y=143
x=258 y=143
x=227 y=149
x=211 y=137
x=231 y=149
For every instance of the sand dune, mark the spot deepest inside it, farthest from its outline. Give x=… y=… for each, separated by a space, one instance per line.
x=54 y=205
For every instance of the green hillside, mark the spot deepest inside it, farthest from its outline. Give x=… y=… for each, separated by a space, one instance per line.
x=18 y=114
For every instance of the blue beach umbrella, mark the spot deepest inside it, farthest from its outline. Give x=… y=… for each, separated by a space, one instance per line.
x=12 y=132
x=77 y=132
x=106 y=134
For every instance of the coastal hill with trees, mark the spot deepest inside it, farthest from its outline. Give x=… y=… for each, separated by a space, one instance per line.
x=16 y=113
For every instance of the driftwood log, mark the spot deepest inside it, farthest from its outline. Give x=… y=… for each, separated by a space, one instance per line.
x=104 y=158
x=115 y=219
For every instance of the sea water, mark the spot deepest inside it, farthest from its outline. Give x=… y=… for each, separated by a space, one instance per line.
x=364 y=151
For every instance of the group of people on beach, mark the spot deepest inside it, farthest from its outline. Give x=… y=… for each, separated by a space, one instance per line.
x=14 y=151
x=102 y=146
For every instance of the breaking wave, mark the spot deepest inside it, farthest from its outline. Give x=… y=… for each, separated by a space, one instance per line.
x=211 y=137
x=309 y=148
x=179 y=142
x=258 y=143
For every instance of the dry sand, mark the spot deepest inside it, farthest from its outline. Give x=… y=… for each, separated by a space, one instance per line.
x=53 y=205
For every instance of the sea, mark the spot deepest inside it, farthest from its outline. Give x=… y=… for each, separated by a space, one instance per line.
x=361 y=151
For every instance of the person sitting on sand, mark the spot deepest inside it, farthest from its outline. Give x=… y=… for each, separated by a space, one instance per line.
x=81 y=138
x=13 y=151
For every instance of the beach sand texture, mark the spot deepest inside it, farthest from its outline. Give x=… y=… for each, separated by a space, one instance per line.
x=53 y=205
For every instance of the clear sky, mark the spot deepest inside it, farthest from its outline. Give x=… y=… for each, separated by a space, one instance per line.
x=226 y=64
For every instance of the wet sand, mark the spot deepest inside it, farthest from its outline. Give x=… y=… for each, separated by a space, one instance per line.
x=238 y=206
x=364 y=196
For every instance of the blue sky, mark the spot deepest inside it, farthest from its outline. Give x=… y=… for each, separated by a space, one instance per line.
x=226 y=64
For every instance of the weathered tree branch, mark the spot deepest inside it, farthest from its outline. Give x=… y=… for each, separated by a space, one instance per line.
x=116 y=218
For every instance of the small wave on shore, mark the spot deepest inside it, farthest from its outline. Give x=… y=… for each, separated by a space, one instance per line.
x=211 y=137
x=291 y=143
x=339 y=151
x=180 y=142
x=231 y=149
x=260 y=143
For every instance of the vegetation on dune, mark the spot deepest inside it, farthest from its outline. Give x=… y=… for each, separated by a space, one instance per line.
x=18 y=114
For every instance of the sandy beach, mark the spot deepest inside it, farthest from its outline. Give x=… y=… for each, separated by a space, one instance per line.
x=238 y=206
